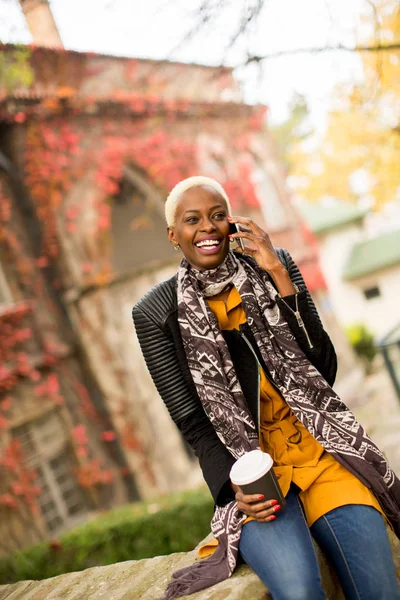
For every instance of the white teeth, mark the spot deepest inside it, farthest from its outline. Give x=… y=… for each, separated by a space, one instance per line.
x=208 y=243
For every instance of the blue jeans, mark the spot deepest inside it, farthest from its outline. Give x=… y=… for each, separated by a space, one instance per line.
x=353 y=537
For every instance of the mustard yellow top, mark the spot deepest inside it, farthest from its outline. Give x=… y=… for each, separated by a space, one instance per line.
x=324 y=483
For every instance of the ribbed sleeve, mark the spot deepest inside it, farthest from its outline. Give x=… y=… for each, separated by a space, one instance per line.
x=162 y=362
x=160 y=354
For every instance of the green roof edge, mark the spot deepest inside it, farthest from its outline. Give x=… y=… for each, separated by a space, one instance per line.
x=351 y=272
x=322 y=219
x=338 y=224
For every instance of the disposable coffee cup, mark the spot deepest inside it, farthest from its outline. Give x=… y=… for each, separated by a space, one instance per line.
x=254 y=474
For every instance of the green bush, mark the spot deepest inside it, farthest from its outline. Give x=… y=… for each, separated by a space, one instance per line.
x=171 y=524
x=362 y=341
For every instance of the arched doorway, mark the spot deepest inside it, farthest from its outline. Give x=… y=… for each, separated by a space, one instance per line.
x=138 y=228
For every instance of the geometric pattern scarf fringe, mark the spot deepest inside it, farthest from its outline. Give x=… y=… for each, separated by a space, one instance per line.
x=306 y=392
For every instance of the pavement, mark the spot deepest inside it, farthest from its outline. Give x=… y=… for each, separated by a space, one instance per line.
x=376 y=406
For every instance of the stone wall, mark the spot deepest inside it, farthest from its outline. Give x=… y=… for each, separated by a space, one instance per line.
x=153 y=445
x=41 y=378
x=146 y=580
x=98 y=162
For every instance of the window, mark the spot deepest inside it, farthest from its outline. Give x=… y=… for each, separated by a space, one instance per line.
x=138 y=229
x=46 y=448
x=372 y=292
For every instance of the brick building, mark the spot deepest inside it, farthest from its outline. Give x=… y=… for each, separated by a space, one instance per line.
x=89 y=147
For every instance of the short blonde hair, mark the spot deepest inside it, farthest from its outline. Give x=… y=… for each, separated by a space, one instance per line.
x=186 y=184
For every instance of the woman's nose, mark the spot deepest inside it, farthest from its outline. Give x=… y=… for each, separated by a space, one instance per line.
x=207 y=225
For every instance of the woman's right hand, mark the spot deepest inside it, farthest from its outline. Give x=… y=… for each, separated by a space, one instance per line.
x=254 y=505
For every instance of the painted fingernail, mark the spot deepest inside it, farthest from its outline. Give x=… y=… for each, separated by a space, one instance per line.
x=273 y=502
x=276 y=508
x=230 y=235
x=261 y=497
x=272 y=518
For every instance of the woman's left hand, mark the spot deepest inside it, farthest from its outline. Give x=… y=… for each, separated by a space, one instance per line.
x=263 y=251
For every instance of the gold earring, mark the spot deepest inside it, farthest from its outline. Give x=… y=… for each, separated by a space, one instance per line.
x=177 y=247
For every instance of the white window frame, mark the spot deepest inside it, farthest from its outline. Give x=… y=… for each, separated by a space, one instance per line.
x=44 y=454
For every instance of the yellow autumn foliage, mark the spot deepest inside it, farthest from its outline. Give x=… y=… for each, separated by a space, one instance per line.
x=363 y=129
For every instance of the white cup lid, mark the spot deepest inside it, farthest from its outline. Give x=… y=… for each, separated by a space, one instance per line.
x=250 y=467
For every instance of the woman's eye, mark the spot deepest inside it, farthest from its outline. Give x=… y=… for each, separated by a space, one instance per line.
x=220 y=215
x=191 y=220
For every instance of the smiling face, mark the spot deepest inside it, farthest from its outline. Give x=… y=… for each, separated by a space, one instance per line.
x=201 y=227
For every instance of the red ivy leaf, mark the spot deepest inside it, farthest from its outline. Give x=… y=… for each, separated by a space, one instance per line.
x=17 y=488
x=82 y=451
x=71 y=227
x=4 y=423
x=42 y=262
x=8 y=500
x=108 y=436
x=6 y=404
x=87 y=267
x=79 y=435
x=53 y=384
x=19 y=117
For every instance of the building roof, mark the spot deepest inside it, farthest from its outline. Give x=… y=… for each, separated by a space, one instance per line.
x=372 y=255
x=58 y=81
x=120 y=57
x=55 y=72
x=322 y=218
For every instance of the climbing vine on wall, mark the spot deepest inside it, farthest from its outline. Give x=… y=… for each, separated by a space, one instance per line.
x=60 y=151
x=57 y=158
x=15 y=68
x=50 y=169
x=30 y=354
x=70 y=138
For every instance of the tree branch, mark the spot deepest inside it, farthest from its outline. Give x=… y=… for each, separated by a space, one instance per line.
x=208 y=11
x=317 y=50
x=252 y=14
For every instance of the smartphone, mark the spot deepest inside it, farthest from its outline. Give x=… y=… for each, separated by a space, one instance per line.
x=234 y=228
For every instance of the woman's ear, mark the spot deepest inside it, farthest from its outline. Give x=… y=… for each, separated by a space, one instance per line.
x=171 y=235
x=172 y=238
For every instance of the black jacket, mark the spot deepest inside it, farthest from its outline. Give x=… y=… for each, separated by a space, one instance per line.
x=156 y=321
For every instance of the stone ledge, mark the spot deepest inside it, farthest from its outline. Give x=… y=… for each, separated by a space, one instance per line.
x=146 y=580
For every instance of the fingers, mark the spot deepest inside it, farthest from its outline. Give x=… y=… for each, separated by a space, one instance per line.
x=248 y=223
x=250 y=498
x=248 y=235
x=262 y=512
x=246 y=250
x=253 y=506
x=256 y=240
x=252 y=232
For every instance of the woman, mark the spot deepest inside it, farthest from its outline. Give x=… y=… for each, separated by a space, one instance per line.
x=238 y=353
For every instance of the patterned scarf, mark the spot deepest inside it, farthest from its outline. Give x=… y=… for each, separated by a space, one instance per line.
x=306 y=392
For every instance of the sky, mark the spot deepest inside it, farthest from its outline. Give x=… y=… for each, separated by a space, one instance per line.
x=157 y=28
